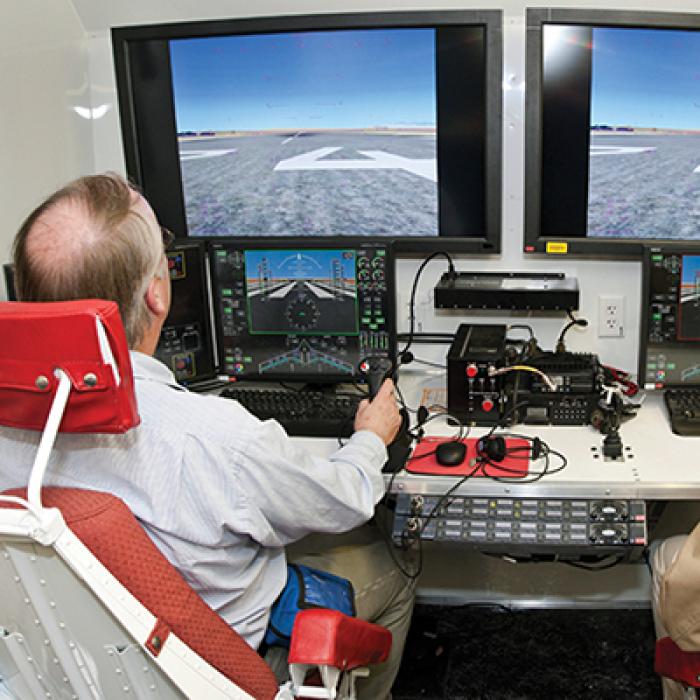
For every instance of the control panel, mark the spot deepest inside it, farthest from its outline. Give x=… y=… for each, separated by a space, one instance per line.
x=473 y=395
x=509 y=523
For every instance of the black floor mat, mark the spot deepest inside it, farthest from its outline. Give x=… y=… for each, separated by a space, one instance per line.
x=491 y=653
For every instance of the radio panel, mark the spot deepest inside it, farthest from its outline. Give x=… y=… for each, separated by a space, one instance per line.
x=547 y=524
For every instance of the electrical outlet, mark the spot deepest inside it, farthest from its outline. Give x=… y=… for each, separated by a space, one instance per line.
x=611 y=316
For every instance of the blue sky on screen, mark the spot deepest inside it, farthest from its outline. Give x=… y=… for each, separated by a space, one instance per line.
x=301 y=264
x=691 y=268
x=338 y=79
x=646 y=78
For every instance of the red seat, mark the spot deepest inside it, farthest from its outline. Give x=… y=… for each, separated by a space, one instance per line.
x=109 y=530
x=188 y=642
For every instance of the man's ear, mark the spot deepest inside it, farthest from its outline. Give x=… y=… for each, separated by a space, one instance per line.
x=156 y=299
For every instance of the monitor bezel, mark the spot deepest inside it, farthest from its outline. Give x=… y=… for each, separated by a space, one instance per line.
x=8 y=270
x=206 y=306
x=316 y=243
x=536 y=18
x=489 y=243
x=648 y=250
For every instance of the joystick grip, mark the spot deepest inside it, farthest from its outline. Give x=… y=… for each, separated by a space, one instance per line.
x=376 y=370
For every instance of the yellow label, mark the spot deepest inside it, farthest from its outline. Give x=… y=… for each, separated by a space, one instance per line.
x=557 y=247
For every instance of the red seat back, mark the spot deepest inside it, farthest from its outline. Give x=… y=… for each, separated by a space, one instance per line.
x=37 y=338
x=110 y=531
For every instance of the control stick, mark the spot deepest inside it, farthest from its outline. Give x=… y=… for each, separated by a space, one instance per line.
x=376 y=370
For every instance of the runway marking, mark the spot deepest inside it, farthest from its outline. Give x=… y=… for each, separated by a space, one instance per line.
x=697 y=170
x=319 y=291
x=620 y=150
x=213 y=153
x=291 y=138
x=282 y=291
x=376 y=160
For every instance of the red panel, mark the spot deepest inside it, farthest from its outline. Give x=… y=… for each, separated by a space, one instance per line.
x=672 y=662
x=331 y=638
x=514 y=466
x=39 y=337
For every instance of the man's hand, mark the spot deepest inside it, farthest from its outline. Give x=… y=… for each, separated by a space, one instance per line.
x=381 y=415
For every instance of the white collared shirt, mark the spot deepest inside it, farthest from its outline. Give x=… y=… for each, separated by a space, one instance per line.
x=219 y=492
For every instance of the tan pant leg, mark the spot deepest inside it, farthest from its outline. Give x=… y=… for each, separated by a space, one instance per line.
x=383 y=595
x=662 y=557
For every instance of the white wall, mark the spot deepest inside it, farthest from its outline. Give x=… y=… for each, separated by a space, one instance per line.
x=59 y=79
x=43 y=76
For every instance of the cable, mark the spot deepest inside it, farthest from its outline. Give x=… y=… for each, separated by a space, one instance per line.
x=524 y=368
x=521 y=326
x=428 y=363
x=412 y=301
x=462 y=433
x=560 y=346
x=406 y=537
x=616 y=559
x=544 y=453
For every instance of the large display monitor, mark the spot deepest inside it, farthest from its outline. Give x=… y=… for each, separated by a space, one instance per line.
x=308 y=311
x=612 y=131
x=670 y=330
x=385 y=124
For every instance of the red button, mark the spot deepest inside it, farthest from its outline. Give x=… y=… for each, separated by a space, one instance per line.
x=472 y=370
x=487 y=405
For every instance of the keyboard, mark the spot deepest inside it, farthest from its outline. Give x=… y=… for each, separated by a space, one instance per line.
x=683 y=406
x=303 y=412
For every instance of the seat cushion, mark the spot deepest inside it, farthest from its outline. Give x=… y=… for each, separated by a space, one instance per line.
x=110 y=531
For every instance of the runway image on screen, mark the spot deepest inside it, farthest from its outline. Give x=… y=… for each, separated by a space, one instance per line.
x=644 y=163
x=307 y=134
x=301 y=292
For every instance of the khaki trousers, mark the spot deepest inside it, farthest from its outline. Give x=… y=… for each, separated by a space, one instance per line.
x=383 y=595
x=663 y=554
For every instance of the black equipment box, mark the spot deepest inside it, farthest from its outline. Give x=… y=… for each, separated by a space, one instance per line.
x=473 y=396
x=541 y=291
x=578 y=379
x=485 y=386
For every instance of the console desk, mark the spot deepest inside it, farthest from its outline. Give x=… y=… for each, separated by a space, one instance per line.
x=657 y=467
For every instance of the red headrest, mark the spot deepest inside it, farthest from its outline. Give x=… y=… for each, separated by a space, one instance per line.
x=40 y=337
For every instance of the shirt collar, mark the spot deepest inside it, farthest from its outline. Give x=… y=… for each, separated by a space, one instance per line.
x=150 y=369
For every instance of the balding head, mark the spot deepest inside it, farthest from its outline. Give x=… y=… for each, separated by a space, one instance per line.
x=94 y=239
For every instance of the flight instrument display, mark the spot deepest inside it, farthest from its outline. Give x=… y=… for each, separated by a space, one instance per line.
x=670 y=343
x=312 y=313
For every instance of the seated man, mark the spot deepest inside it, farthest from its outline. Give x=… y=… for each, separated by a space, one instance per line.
x=219 y=492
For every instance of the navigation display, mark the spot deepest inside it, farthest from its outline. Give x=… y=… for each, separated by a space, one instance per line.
x=312 y=313
x=301 y=291
x=670 y=343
